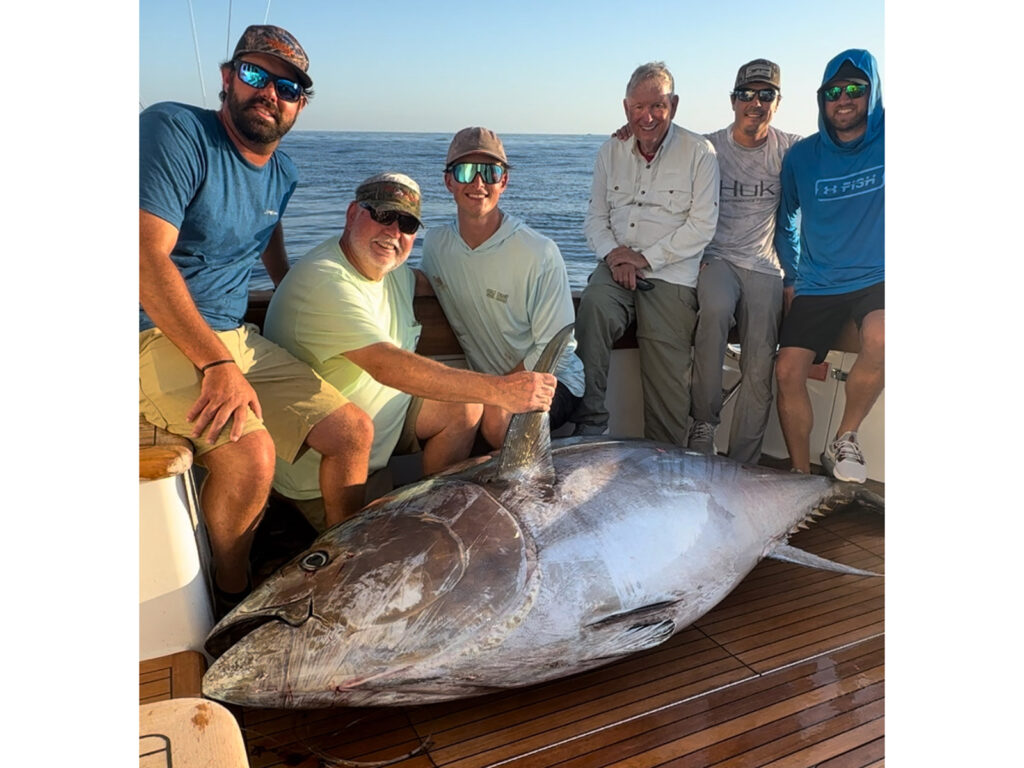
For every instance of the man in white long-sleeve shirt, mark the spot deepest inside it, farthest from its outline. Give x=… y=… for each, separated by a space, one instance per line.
x=653 y=208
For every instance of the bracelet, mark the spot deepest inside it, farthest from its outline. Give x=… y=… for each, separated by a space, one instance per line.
x=215 y=362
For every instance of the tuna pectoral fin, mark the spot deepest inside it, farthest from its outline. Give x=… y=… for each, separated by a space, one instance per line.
x=630 y=631
x=630 y=639
x=790 y=554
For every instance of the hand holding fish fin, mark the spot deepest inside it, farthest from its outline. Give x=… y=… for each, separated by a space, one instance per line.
x=527 y=447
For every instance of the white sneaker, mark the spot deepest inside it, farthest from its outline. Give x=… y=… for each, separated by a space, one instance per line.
x=702 y=438
x=843 y=459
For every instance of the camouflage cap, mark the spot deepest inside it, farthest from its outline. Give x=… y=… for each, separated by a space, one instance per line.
x=274 y=41
x=391 y=192
x=759 y=71
x=475 y=140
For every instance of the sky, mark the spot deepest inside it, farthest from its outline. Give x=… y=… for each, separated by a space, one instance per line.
x=519 y=67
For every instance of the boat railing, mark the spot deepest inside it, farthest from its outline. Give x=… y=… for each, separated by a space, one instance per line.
x=438 y=339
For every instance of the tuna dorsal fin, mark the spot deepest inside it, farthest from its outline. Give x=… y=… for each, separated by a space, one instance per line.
x=527 y=446
x=790 y=554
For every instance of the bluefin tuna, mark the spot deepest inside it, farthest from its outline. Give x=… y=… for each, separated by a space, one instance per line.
x=541 y=562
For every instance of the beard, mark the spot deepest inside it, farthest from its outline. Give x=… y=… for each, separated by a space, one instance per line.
x=848 y=122
x=255 y=127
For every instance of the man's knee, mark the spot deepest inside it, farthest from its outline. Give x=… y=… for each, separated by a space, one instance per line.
x=872 y=336
x=716 y=313
x=791 y=368
x=603 y=307
x=251 y=460
x=436 y=416
x=347 y=430
x=468 y=415
x=494 y=424
x=756 y=369
x=590 y=313
x=716 y=305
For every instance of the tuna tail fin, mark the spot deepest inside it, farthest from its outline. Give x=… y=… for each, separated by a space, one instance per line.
x=790 y=554
x=527 y=446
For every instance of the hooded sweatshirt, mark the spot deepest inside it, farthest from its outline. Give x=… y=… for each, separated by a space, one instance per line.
x=505 y=299
x=835 y=193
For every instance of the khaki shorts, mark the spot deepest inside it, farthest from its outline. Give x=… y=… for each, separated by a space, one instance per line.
x=379 y=483
x=293 y=397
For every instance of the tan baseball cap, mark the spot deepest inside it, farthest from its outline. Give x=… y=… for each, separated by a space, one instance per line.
x=475 y=140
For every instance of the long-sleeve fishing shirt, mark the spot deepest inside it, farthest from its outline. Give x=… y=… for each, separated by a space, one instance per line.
x=666 y=208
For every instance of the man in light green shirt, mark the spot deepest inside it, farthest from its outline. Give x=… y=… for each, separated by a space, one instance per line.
x=346 y=310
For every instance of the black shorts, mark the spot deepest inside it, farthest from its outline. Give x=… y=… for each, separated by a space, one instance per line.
x=814 y=322
x=562 y=406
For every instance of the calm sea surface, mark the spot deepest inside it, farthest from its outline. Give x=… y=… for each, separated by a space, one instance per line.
x=549 y=185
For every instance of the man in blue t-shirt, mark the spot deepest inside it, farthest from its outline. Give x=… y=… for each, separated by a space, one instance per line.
x=834 y=182
x=212 y=189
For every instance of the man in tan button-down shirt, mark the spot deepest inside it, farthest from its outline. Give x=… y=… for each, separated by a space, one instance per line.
x=653 y=208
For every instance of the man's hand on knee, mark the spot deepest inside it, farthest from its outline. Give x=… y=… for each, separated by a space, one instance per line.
x=225 y=395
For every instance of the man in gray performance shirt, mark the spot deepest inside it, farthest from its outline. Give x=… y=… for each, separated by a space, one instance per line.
x=740 y=280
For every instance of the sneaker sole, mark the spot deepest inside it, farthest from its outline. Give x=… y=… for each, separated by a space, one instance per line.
x=829 y=467
x=707 y=450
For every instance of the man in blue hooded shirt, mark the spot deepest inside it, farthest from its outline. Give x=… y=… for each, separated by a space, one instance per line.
x=834 y=182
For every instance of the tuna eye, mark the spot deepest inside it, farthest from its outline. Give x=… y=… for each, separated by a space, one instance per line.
x=314 y=561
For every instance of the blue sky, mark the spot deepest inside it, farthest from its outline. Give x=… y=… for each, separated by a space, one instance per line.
x=518 y=67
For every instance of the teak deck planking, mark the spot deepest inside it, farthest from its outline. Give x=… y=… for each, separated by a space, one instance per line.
x=787 y=671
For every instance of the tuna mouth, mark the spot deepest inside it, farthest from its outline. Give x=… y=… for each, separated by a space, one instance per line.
x=242 y=621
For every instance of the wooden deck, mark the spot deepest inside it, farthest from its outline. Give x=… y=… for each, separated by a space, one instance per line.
x=787 y=671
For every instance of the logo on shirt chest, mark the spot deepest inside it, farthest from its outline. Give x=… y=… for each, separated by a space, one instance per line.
x=737 y=188
x=497 y=295
x=860 y=183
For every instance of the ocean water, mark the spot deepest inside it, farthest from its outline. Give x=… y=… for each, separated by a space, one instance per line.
x=549 y=186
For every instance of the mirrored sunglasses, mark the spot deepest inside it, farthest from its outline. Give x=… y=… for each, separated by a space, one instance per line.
x=853 y=90
x=764 y=95
x=258 y=78
x=464 y=173
x=407 y=224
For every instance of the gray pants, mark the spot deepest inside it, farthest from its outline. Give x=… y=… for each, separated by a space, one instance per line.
x=665 y=318
x=729 y=295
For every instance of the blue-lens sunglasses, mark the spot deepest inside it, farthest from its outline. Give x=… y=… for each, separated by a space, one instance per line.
x=256 y=77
